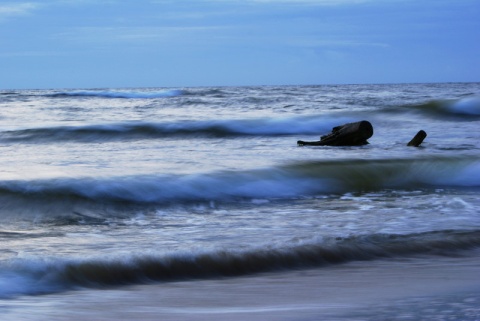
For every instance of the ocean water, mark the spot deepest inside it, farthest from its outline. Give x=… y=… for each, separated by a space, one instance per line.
x=197 y=204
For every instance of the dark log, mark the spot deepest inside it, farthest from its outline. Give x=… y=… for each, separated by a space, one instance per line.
x=351 y=134
x=418 y=139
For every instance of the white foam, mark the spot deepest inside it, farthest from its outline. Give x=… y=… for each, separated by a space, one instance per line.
x=25 y=277
x=260 y=184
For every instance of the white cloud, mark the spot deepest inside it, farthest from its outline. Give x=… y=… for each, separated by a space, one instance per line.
x=10 y=10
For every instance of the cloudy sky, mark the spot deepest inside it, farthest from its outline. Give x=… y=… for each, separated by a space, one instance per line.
x=178 y=43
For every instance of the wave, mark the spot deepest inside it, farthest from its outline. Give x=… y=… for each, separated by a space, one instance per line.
x=120 y=94
x=291 y=181
x=150 y=130
x=37 y=276
x=468 y=108
x=8 y=93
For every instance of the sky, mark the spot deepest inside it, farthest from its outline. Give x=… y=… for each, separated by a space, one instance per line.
x=184 y=43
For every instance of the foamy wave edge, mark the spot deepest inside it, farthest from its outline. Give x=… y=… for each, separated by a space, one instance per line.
x=33 y=276
x=300 y=179
x=468 y=107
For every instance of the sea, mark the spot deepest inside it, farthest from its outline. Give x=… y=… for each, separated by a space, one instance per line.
x=198 y=204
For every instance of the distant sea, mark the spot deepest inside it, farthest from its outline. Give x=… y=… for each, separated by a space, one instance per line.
x=197 y=204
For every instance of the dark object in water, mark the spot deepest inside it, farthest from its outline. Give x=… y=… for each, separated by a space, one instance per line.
x=351 y=134
x=418 y=139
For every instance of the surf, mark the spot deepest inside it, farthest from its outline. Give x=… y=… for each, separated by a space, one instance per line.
x=289 y=181
x=297 y=125
x=460 y=108
x=34 y=276
x=119 y=94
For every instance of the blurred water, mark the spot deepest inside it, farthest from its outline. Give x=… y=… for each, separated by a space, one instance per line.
x=107 y=179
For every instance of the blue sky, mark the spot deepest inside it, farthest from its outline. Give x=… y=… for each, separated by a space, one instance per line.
x=179 y=43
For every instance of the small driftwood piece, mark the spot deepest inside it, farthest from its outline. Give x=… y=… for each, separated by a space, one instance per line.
x=418 y=139
x=351 y=134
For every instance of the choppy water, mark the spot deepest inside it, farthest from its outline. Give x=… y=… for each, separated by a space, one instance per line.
x=197 y=203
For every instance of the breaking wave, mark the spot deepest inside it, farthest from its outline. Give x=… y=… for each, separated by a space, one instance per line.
x=208 y=128
x=46 y=275
x=300 y=179
x=120 y=94
x=461 y=108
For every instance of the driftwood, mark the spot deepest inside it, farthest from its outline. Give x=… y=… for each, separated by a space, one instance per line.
x=351 y=134
x=418 y=139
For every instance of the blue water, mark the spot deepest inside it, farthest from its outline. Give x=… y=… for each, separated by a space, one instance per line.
x=197 y=204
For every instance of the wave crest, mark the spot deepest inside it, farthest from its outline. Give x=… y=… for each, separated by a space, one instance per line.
x=468 y=107
x=280 y=182
x=45 y=276
x=120 y=94
x=150 y=130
